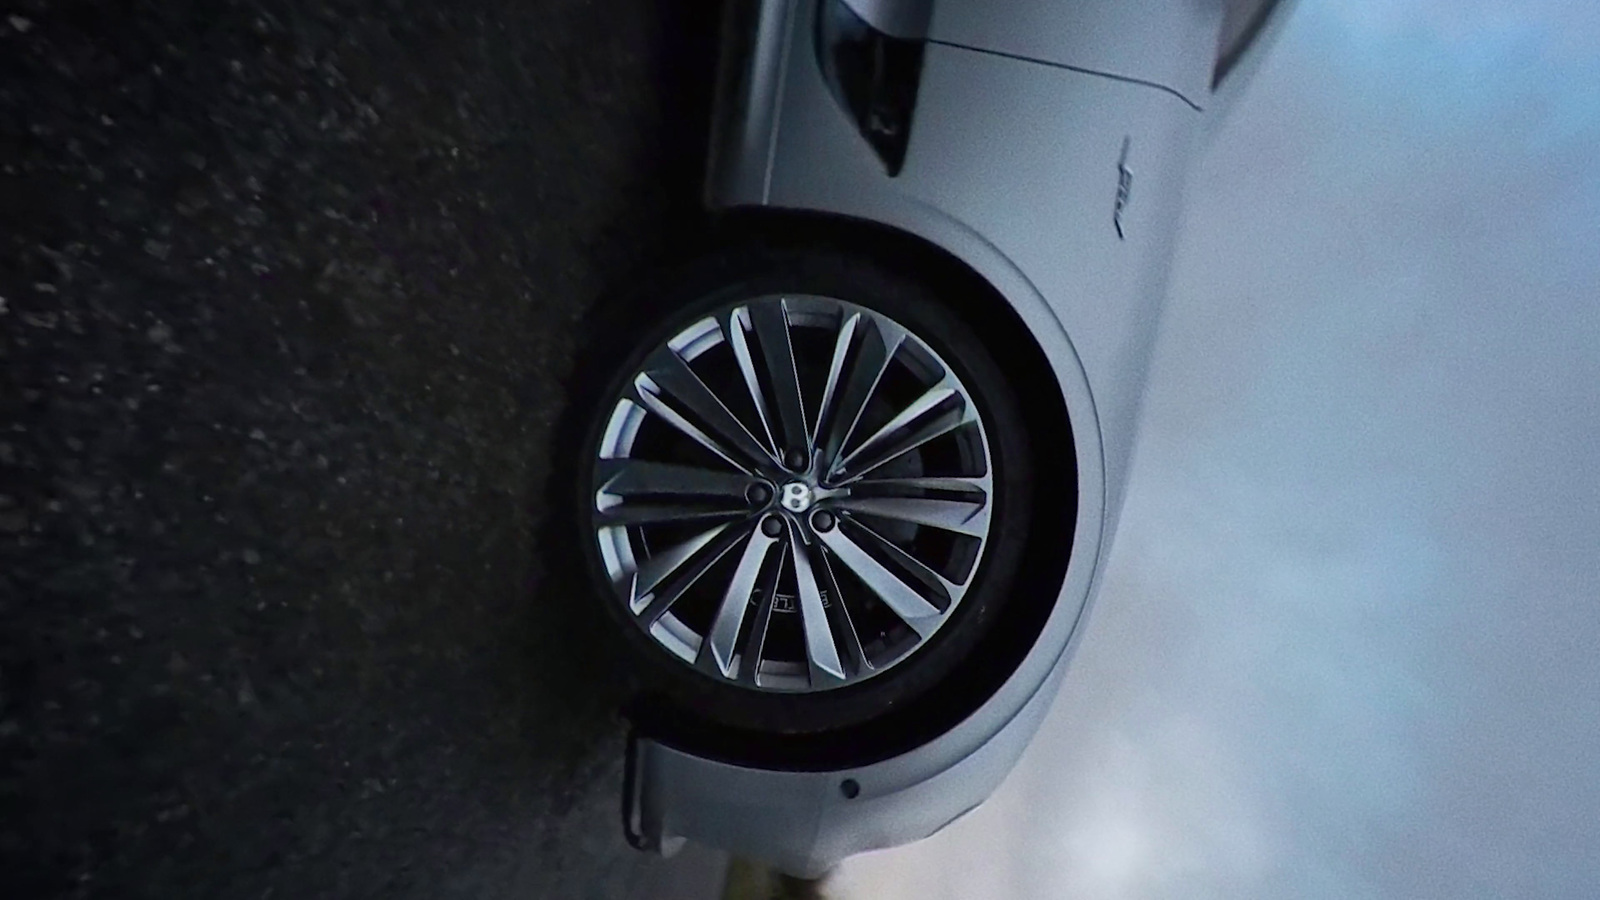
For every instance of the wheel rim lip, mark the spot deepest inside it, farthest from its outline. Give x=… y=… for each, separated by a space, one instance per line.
x=618 y=560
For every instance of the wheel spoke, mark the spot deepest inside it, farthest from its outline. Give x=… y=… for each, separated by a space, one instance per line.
x=667 y=375
x=895 y=485
x=730 y=615
x=940 y=410
x=659 y=513
x=956 y=503
x=903 y=599
x=855 y=657
x=969 y=517
x=822 y=656
x=662 y=579
x=938 y=590
x=853 y=378
x=626 y=477
x=841 y=350
x=771 y=322
x=735 y=327
x=755 y=639
x=635 y=492
x=648 y=395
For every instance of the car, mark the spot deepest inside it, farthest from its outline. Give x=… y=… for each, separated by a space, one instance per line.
x=848 y=482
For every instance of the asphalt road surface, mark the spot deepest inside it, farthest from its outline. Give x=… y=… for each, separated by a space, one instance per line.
x=289 y=293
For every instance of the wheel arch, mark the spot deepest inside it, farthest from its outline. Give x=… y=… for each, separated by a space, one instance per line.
x=1068 y=502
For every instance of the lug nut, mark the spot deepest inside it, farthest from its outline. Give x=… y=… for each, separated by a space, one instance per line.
x=822 y=520
x=771 y=526
x=758 y=494
x=796 y=459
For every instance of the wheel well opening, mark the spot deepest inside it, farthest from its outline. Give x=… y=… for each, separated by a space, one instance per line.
x=1043 y=565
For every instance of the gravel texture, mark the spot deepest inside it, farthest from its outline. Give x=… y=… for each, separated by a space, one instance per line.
x=287 y=295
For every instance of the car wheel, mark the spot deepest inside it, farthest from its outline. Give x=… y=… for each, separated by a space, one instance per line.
x=802 y=489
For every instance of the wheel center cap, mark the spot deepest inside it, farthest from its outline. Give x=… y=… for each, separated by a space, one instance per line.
x=796 y=496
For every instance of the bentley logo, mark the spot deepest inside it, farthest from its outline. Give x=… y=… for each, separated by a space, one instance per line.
x=796 y=497
x=1124 y=187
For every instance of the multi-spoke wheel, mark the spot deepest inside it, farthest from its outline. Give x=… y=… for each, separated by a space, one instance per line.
x=798 y=493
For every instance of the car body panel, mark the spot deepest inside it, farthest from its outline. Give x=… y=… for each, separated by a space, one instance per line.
x=1025 y=159
x=1063 y=190
x=803 y=822
x=1168 y=42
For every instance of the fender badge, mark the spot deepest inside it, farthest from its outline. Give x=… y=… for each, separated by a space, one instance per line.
x=1124 y=187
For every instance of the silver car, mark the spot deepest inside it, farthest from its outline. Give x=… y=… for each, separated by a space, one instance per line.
x=850 y=484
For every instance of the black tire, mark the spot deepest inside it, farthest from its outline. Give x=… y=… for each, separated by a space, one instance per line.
x=633 y=324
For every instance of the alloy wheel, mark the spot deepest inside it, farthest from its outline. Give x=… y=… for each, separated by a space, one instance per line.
x=792 y=494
